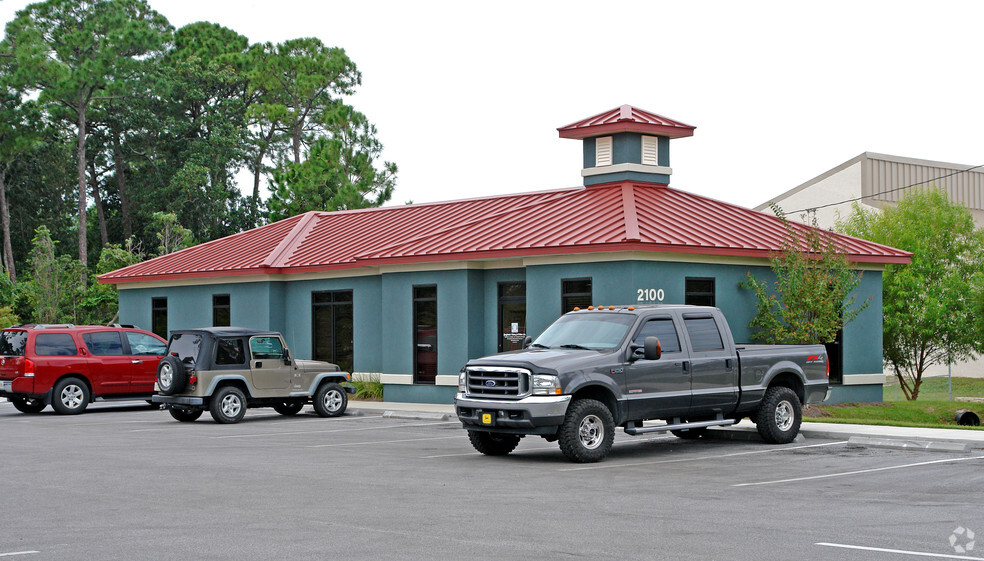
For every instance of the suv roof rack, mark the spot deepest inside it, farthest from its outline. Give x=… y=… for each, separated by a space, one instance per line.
x=51 y=325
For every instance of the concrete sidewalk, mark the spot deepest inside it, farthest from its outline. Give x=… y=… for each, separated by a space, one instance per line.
x=975 y=438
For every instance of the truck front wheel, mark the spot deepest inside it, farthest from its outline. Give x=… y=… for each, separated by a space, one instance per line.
x=779 y=415
x=493 y=444
x=588 y=431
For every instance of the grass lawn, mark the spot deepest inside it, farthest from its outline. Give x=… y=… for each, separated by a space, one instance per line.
x=932 y=409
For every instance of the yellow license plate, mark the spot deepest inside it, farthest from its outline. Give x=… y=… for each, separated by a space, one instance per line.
x=486 y=418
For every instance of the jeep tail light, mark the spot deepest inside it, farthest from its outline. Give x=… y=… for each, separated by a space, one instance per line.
x=193 y=379
x=28 y=368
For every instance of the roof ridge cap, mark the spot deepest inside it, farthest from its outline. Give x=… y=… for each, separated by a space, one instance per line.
x=287 y=245
x=467 y=223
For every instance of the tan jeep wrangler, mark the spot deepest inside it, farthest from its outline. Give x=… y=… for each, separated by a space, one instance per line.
x=225 y=370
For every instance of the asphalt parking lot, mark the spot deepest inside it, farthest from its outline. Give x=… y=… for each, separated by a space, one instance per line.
x=130 y=483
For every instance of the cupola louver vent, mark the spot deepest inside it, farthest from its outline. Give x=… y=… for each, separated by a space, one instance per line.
x=650 y=150
x=603 y=151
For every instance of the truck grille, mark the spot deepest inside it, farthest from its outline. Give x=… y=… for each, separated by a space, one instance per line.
x=493 y=381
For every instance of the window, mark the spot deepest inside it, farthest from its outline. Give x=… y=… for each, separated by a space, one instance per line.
x=704 y=334
x=699 y=291
x=104 y=343
x=425 y=334
x=54 y=344
x=575 y=293
x=12 y=343
x=144 y=345
x=266 y=347
x=603 y=151
x=158 y=319
x=185 y=346
x=230 y=351
x=662 y=329
x=332 y=327
x=221 y=310
x=512 y=315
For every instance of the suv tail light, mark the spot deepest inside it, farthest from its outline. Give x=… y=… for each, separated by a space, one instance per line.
x=28 y=368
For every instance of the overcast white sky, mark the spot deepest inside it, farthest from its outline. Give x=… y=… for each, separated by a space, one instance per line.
x=467 y=96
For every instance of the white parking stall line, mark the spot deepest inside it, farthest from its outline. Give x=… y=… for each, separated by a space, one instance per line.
x=540 y=448
x=11 y=554
x=856 y=472
x=292 y=433
x=900 y=551
x=699 y=458
x=380 y=442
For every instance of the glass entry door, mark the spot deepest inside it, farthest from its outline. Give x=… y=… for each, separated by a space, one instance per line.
x=512 y=315
x=425 y=334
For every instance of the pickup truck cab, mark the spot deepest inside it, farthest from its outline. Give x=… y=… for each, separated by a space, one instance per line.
x=595 y=369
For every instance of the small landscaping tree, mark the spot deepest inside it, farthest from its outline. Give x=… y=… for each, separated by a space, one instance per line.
x=813 y=296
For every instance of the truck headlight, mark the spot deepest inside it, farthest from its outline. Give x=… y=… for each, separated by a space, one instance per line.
x=462 y=382
x=546 y=384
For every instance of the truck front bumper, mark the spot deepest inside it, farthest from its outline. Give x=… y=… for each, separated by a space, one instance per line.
x=530 y=415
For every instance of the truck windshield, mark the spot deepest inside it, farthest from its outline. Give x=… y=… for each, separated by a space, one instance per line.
x=590 y=330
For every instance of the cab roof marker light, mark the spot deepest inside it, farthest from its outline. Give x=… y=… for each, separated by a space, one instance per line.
x=576 y=308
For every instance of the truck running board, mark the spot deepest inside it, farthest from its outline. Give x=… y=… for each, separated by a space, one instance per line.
x=677 y=425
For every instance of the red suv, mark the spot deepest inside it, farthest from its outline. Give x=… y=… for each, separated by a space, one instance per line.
x=68 y=366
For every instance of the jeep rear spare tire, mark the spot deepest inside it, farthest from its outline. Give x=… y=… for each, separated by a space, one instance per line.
x=171 y=375
x=330 y=400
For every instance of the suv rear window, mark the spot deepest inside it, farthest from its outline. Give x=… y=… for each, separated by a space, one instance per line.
x=13 y=343
x=54 y=344
x=185 y=346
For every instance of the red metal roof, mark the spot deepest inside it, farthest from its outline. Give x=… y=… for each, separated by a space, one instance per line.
x=623 y=216
x=626 y=119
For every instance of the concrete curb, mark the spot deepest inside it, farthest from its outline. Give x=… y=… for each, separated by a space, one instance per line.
x=416 y=416
x=892 y=444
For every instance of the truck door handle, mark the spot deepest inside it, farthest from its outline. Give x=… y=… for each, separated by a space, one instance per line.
x=727 y=363
x=686 y=366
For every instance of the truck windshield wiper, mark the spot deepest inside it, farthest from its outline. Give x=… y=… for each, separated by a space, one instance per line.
x=539 y=346
x=574 y=346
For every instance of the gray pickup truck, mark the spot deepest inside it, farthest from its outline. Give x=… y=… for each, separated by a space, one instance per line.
x=595 y=369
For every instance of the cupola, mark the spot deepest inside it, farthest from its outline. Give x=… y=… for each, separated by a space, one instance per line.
x=626 y=144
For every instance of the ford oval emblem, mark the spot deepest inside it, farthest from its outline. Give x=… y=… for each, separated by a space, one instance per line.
x=490 y=383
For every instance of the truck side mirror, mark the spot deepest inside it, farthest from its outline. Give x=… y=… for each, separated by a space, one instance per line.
x=527 y=342
x=652 y=350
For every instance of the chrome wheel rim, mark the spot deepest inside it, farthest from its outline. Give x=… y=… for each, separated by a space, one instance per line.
x=784 y=415
x=591 y=432
x=166 y=377
x=333 y=400
x=71 y=396
x=231 y=405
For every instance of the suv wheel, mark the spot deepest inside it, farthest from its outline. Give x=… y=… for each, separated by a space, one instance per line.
x=228 y=405
x=330 y=400
x=288 y=407
x=70 y=396
x=27 y=404
x=171 y=375
x=185 y=415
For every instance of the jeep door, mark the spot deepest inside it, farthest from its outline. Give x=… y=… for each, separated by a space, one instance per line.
x=267 y=364
x=658 y=389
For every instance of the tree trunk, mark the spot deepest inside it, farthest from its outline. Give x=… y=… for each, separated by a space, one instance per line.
x=97 y=201
x=297 y=143
x=8 y=252
x=80 y=155
x=121 y=187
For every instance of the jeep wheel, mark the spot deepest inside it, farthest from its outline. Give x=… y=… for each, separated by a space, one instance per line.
x=493 y=444
x=70 y=396
x=27 y=404
x=330 y=400
x=690 y=434
x=171 y=375
x=588 y=431
x=228 y=405
x=779 y=415
x=185 y=415
x=288 y=408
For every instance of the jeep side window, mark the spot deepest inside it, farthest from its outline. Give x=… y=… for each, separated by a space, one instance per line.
x=229 y=351
x=266 y=347
x=104 y=343
x=661 y=328
x=54 y=344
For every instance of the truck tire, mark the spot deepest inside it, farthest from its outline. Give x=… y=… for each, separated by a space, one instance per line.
x=588 y=431
x=690 y=434
x=779 y=415
x=27 y=404
x=185 y=415
x=288 y=408
x=330 y=400
x=70 y=396
x=171 y=375
x=228 y=405
x=493 y=444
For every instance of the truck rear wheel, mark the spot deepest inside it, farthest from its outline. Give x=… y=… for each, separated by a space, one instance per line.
x=588 y=431
x=493 y=444
x=228 y=405
x=779 y=415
